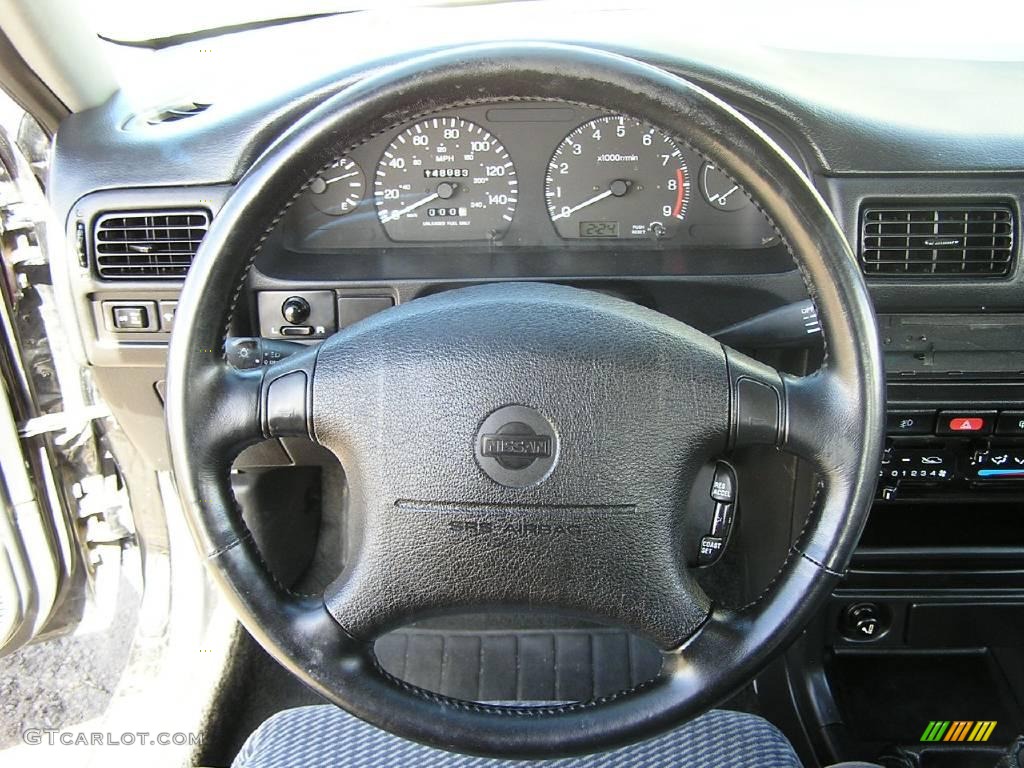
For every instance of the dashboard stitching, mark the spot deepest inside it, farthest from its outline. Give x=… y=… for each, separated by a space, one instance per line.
x=429 y=695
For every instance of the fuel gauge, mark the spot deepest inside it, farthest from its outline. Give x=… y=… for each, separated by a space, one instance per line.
x=720 y=191
x=338 y=190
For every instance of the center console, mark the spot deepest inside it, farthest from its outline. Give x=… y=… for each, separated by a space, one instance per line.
x=928 y=624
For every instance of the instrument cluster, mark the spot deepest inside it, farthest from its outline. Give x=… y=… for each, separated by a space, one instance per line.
x=532 y=174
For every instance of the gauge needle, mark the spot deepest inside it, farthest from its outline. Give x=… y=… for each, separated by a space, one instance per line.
x=721 y=198
x=401 y=212
x=584 y=204
x=343 y=176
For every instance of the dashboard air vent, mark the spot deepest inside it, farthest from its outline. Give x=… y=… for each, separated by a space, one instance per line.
x=963 y=241
x=177 y=112
x=144 y=245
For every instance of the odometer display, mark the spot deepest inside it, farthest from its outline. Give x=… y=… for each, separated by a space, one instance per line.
x=445 y=178
x=617 y=177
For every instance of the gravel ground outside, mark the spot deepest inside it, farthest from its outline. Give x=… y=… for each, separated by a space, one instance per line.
x=65 y=681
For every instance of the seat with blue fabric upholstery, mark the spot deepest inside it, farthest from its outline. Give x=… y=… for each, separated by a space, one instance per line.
x=327 y=737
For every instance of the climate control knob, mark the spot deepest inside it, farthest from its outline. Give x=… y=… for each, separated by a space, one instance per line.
x=295 y=310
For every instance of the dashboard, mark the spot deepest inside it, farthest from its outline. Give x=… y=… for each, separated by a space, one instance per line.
x=523 y=190
x=590 y=197
x=593 y=198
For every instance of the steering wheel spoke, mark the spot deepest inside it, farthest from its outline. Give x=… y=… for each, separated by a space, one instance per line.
x=793 y=413
x=228 y=402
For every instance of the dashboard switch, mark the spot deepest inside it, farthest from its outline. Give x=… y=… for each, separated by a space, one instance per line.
x=130 y=316
x=312 y=311
x=1010 y=423
x=909 y=422
x=959 y=423
x=167 y=311
x=295 y=310
x=864 y=622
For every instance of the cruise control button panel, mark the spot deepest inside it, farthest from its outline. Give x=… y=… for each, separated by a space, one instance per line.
x=712 y=513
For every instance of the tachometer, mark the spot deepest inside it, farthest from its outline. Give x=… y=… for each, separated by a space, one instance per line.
x=445 y=178
x=617 y=177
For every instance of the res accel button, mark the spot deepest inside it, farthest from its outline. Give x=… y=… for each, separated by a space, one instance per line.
x=978 y=423
x=723 y=486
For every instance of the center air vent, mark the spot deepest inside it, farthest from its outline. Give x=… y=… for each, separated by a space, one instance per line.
x=177 y=112
x=965 y=241
x=143 y=245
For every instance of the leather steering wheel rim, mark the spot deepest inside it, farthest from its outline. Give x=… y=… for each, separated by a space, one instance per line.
x=832 y=417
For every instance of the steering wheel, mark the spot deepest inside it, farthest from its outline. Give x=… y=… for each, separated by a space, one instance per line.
x=524 y=444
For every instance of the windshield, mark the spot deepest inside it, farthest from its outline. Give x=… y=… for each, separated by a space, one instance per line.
x=154 y=26
x=129 y=21
x=203 y=51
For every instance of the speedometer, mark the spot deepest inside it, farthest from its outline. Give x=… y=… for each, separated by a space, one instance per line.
x=445 y=178
x=617 y=177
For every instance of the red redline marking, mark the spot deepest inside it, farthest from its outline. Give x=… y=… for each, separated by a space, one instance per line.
x=679 y=194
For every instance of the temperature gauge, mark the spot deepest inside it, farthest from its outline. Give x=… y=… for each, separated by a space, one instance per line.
x=721 y=192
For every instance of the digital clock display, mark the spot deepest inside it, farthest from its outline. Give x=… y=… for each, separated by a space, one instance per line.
x=599 y=229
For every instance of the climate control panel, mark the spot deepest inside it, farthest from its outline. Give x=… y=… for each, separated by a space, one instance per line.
x=935 y=450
